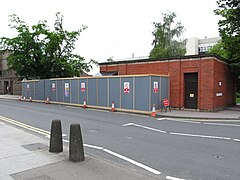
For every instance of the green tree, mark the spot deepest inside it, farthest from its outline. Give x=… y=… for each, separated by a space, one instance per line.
x=166 y=38
x=219 y=50
x=37 y=51
x=229 y=28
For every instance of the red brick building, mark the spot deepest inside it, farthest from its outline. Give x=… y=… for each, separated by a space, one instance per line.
x=202 y=82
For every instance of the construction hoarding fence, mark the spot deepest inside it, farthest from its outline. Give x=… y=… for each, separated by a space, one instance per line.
x=129 y=93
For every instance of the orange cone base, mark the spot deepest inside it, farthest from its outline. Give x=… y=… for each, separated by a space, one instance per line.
x=153 y=114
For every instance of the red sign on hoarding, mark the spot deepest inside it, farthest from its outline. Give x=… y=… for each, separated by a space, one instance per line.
x=53 y=86
x=155 y=87
x=126 y=87
x=83 y=87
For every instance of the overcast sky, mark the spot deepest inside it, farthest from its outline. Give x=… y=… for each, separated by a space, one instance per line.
x=116 y=28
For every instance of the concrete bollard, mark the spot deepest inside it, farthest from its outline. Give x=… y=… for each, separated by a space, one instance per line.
x=76 y=151
x=56 y=143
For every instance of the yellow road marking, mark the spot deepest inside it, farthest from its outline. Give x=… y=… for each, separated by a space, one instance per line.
x=17 y=123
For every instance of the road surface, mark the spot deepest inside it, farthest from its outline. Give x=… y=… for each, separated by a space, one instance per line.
x=183 y=149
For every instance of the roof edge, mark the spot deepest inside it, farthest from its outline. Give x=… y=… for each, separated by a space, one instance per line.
x=164 y=59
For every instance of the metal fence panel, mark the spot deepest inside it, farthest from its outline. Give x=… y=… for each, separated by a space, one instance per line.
x=66 y=89
x=114 y=92
x=47 y=89
x=74 y=91
x=127 y=93
x=60 y=90
x=92 y=92
x=83 y=90
x=131 y=92
x=141 y=94
x=39 y=88
x=53 y=90
x=155 y=89
x=32 y=89
x=102 y=92
x=164 y=88
x=24 y=91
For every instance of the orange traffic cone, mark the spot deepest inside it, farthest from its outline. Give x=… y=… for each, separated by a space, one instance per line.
x=47 y=101
x=153 y=111
x=30 y=99
x=113 y=108
x=20 y=98
x=24 y=98
x=84 y=104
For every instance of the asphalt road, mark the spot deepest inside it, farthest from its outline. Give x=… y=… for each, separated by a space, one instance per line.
x=187 y=150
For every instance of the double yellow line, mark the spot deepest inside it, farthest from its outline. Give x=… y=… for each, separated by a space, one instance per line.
x=25 y=126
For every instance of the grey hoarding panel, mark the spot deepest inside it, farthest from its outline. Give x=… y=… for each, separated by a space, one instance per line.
x=66 y=89
x=114 y=92
x=39 y=90
x=74 y=91
x=83 y=90
x=60 y=90
x=53 y=90
x=24 y=93
x=155 y=98
x=103 y=92
x=127 y=93
x=92 y=92
x=141 y=94
x=27 y=90
x=47 y=89
x=32 y=94
x=165 y=88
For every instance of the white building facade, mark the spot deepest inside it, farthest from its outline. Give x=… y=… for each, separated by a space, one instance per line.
x=195 y=46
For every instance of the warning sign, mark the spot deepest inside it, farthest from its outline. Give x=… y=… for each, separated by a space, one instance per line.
x=155 y=87
x=53 y=86
x=66 y=89
x=126 y=88
x=83 y=87
x=28 y=87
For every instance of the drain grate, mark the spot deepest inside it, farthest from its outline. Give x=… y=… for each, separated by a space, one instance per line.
x=35 y=146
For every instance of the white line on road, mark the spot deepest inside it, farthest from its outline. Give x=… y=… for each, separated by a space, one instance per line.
x=202 y=136
x=132 y=162
x=145 y=127
x=92 y=146
x=161 y=119
x=128 y=124
x=221 y=124
x=173 y=178
x=238 y=140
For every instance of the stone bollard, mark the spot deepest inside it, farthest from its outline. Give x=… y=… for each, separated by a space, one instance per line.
x=56 y=143
x=76 y=152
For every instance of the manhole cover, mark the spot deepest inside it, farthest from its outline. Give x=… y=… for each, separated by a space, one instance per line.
x=35 y=146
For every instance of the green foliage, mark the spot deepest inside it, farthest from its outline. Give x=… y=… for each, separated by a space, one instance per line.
x=165 y=44
x=219 y=50
x=230 y=31
x=39 y=52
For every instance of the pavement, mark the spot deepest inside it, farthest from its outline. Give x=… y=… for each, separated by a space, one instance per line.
x=229 y=113
x=25 y=156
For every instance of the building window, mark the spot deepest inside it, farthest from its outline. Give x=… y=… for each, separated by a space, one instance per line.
x=0 y=73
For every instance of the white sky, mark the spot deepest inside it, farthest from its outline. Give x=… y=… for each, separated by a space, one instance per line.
x=116 y=28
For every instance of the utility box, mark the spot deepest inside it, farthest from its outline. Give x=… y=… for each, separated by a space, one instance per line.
x=131 y=93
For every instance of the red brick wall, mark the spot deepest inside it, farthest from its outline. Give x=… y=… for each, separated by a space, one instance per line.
x=209 y=70
x=222 y=74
